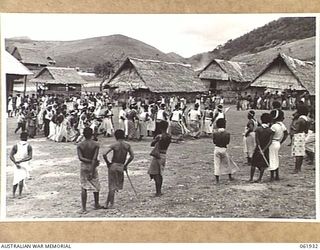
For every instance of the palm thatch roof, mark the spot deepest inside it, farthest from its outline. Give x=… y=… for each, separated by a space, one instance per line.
x=227 y=70
x=13 y=67
x=58 y=75
x=155 y=76
x=303 y=71
x=29 y=55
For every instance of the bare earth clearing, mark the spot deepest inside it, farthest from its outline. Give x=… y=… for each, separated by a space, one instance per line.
x=189 y=190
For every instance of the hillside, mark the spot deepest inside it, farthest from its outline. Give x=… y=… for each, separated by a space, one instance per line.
x=303 y=49
x=274 y=34
x=87 y=53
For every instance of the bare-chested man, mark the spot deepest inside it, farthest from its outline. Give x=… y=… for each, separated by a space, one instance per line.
x=88 y=151
x=118 y=164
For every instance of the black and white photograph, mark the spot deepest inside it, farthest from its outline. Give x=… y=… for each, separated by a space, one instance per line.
x=159 y=116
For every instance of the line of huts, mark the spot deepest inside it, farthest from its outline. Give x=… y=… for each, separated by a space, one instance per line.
x=277 y=72
x=149 y=78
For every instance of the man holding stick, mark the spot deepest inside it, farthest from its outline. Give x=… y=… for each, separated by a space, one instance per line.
x=260 y=158
x=118 y=164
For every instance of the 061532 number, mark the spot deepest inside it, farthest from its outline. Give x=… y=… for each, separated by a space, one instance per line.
x=309 y=246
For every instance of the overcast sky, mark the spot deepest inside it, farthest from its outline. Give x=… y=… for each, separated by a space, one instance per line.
x=184 y=34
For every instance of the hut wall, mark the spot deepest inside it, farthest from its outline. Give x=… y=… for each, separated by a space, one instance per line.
x=253 y=90
x=229 y=90
x=63 y=88
x=278 y=76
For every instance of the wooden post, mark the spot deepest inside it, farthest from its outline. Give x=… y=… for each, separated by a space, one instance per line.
x=25 y=86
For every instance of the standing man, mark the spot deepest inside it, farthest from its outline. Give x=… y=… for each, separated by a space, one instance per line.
x=20 y=155
x=160 y=143
x=118 y=164
x=88 y=151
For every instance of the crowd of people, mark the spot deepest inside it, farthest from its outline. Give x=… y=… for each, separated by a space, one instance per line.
x=63 y=119
x=81 y=119
x=288 y=100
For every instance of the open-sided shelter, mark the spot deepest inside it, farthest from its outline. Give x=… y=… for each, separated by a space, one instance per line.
x=58 y=80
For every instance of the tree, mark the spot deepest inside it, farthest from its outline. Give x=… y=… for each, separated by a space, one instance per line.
x=104 y=71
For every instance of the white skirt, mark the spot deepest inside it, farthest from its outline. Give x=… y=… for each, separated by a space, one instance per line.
x=208 y=126
x=107 y=125
x=310 y=141
x=298 y=144
x=274 y=155
x=223 y=164
x=20 y=174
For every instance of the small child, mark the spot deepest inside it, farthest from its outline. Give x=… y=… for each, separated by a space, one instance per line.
x=20 y=155
x=223 y=164
x=260 y=158
x=118 y=164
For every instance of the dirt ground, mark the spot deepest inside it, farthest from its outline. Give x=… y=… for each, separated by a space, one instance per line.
x=189 y=190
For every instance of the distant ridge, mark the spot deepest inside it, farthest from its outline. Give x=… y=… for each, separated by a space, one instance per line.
x=274 y=34
x=86 y=53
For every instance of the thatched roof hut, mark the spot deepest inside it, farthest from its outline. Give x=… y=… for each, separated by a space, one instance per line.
x=59 y=79
x=31 y=56
x=227 y=71
x=226 y=78
x=156 y=77
x=285 y=72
